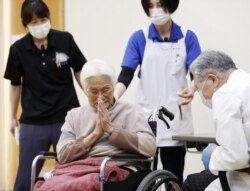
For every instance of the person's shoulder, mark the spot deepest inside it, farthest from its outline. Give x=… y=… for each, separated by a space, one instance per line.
x=21 y=41
x=75 y=110
x=237 y=85
x=238 y=79
x=184 y=29
x=189 y=32
x=79 y=110
x=61 y=34
x=138 y=32
x=137 y=38
x=190 y=35
x=137 y=35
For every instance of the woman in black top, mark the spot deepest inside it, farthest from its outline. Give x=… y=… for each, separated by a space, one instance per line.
x=39 y=69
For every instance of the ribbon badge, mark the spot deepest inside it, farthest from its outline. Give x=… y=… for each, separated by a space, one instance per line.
x=61 y=59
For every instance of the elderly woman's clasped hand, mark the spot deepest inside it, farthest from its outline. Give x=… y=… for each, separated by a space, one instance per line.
x=103 y=121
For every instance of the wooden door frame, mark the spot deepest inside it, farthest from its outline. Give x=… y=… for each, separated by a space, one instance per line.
x=57 y=21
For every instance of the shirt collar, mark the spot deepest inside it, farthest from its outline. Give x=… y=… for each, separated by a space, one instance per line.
x=175 y=35
x=29 y=44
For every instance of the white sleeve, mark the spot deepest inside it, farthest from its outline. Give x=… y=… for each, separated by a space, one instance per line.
x=233 y=150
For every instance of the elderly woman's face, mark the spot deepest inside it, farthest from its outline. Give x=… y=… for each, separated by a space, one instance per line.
x=100 y=88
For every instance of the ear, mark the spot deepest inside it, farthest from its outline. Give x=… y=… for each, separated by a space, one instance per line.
x=215 y=80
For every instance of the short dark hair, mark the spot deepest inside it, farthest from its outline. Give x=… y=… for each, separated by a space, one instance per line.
x=31 y=8
x=170 y=5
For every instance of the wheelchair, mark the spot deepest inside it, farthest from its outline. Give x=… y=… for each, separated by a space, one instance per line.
x=223 y=178
x=147 y=179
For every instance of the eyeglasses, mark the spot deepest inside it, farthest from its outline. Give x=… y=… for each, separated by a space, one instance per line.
x=105 y=91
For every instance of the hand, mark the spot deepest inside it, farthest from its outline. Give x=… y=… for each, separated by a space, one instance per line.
x=98 y=129
x=105 y=122
x=13 y=124
x=187 y=94
x=206 y=154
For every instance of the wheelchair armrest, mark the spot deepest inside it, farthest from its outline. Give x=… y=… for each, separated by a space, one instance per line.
x=120 y=157
x=127 y=157
x=246 y=170
x=42 y=155
x=223 y=178
x=49 y=154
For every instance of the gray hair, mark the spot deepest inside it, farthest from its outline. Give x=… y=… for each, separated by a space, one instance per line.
x=211 y=61
x=97 y=67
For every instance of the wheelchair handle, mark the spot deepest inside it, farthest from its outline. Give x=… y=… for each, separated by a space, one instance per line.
x=48 y=153
x=160 y=116
x=160 y=112
x=167 y=113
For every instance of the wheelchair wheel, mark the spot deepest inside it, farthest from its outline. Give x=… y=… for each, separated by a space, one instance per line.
x=160 y=180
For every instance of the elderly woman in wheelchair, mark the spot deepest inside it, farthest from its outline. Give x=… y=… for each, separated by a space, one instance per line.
x=105 y=126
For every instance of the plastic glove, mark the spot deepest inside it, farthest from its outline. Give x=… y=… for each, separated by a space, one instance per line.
x=205 y=157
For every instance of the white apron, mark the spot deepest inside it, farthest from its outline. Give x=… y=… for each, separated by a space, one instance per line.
x=162 y=75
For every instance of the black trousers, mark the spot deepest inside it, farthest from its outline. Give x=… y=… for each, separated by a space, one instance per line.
x=198 y=181
x=33 y=139
x=172 y=159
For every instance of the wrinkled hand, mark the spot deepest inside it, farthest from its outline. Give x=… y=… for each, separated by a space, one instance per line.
x=105 y=122
x=187 y=94
x=13 y=124
x=98 y=129
x=206 y=154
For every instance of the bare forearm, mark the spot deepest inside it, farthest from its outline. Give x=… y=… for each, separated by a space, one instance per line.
x=120 y=88
x=77 y=77
x=74 y=149
x=14 y=99
x=90 y=140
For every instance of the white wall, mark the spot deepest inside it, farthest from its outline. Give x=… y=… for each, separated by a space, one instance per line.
x=102 y=28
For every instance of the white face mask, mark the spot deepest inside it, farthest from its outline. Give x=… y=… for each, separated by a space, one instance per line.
x=40 y=31
x=206 y=102
x=158 y=16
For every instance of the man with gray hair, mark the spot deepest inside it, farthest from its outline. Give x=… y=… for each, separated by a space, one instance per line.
x=226 y=90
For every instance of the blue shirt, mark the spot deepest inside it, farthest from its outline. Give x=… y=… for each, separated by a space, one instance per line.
x=137 y=42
